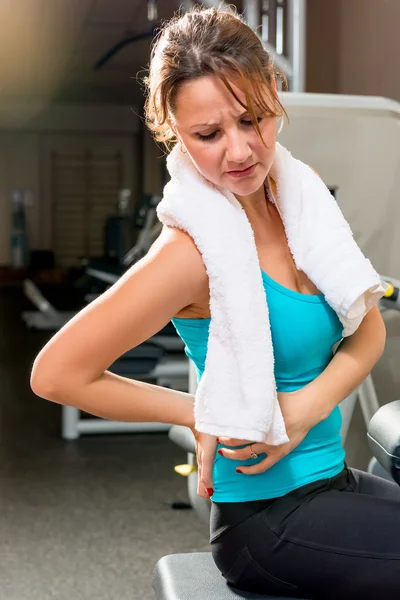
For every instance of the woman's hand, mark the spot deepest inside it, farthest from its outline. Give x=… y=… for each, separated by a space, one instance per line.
x=298 y=419
x=206 y=446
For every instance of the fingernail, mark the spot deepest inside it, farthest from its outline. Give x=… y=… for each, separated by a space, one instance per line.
x=220 y=452
x=210 y=491
x=217 y=440
x=239 y=471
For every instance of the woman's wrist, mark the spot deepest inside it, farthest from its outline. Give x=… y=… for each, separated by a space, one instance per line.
x=317 y=406
x=187 y=414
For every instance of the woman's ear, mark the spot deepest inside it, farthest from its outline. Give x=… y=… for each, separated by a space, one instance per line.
x=172 y=128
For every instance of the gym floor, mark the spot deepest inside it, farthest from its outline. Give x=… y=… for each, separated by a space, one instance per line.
x=86 y=519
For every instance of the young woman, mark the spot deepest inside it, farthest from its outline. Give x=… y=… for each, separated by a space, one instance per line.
x=291 y=519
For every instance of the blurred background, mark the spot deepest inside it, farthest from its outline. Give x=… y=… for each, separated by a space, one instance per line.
x=88 y=507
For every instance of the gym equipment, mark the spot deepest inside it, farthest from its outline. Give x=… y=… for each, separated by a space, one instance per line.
x=333 y=133
x=20 y=199
x=148 y=230
x=106 y=269
x=195 y=576
x=147 y=362
x=152 y=16
x=46 y=317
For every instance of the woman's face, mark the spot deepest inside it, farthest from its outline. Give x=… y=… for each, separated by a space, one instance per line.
x=219 y=136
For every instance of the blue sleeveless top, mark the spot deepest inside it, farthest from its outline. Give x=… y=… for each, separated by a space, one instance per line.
x=304 y=328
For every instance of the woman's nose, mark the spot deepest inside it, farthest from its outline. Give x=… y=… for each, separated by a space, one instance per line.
x=237 y=149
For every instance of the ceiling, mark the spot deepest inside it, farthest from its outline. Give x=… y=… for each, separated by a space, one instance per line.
x=48 y=49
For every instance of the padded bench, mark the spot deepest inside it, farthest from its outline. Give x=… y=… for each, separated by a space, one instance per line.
x=195 y=577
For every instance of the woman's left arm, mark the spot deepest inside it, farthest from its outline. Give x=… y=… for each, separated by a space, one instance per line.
x=353 y=361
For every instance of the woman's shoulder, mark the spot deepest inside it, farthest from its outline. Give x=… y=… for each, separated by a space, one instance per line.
x=176 y=240
x=176 y=246
x=175 y=236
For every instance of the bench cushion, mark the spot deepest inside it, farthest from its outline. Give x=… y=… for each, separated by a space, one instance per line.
x=384 y=438
x=195 y=577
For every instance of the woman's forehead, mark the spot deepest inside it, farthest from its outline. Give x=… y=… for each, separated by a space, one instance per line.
x=208 y=98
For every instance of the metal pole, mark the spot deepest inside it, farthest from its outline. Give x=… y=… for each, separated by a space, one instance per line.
x=187 y=5
x=368 y=399
x=213 y=3
x=252 y=14
x=297 y=43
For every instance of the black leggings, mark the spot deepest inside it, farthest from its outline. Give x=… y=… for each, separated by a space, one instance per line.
x=336 y=538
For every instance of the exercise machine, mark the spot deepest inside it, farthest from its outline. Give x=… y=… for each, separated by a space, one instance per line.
x=160 y=360
x=103 y=271
x=147 y=362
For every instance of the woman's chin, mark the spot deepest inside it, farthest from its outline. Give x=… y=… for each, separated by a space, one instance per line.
x=244 y=188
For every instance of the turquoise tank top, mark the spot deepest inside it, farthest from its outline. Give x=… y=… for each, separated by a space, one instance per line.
x=304 y=328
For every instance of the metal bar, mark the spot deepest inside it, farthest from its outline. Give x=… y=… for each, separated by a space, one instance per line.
x=347 y=407
x=297 y=43
x=368 y=399
x=280 y=61
x=70 y=423
x=192 y=378
x=37 y=298
x=54 y=189
x=73 y=426
x=213 y=3
x=252 y=14
x=87 y=204
x=272 y=22
x=88 y=426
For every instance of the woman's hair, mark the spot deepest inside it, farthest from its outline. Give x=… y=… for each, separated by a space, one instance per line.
x=208 y=42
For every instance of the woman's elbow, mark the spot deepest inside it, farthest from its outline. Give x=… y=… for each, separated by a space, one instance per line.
x=378 y=328
x=47 y=381
x=42 y=383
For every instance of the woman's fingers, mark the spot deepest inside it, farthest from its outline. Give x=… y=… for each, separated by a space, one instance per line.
x=243 y=453
x=205 y=450
x=233 y=441
x=206 y=472
x=263 y=465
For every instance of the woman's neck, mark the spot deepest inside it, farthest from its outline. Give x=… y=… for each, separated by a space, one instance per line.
x=257 y=206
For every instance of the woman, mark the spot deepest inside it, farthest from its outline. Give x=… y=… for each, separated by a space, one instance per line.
x=291 y=519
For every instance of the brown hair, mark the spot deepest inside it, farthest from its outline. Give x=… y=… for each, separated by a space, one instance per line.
x=208 y=42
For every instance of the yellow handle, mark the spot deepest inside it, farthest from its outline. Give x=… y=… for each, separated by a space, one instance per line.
x=389 y=291
x=185 y=470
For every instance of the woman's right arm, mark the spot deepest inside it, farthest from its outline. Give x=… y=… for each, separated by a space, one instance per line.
x=72 y=368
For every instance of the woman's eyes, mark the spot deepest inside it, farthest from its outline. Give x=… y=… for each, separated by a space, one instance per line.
x=211 y=136
x=208 y=137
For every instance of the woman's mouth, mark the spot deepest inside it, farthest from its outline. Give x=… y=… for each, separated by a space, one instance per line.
x=243 y=173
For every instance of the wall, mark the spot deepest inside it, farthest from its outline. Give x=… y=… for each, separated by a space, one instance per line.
x=353 y=47
x=323 y=25
x=370 y=48
x=24 y=152
x=19 y=168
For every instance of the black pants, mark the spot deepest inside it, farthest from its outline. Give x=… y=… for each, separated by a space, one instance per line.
x=336 y=538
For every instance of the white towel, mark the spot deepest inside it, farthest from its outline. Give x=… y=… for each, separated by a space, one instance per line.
x=237 y=395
